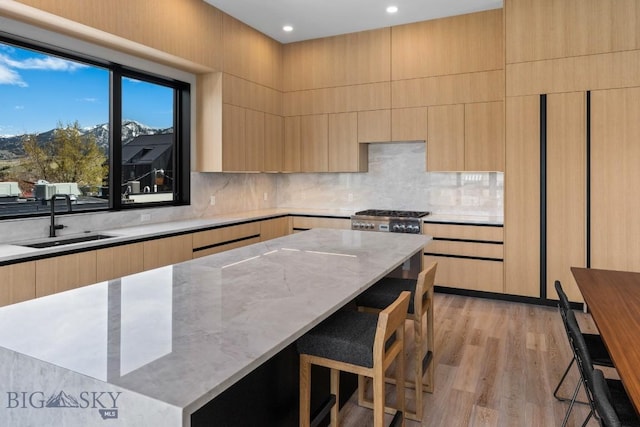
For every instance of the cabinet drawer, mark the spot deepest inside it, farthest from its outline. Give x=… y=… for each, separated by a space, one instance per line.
x=471 y=274
x=467 y=249
x=275 y=227
x=18 y=282
x=225 y=247
x=65 y=272
x=218 y=236
x=467 y=232
x=306 y=223
x=166 y=251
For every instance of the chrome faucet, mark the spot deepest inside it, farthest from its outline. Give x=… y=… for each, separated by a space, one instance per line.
x=53 y=227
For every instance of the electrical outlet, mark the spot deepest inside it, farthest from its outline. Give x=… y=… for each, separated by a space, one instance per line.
x=212 y=200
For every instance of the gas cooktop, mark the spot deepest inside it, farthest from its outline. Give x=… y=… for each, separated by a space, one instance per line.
x=392 y=213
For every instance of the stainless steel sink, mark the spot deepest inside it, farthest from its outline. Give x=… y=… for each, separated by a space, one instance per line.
x=67 y=241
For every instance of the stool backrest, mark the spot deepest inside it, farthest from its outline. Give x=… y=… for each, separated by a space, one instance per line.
x=424 y=289
x=390 y=322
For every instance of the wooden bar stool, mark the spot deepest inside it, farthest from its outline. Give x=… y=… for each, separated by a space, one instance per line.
x=360 y=343
x=420 y=308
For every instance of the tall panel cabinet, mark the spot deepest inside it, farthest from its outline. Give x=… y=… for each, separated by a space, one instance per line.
x=566 y=190
x=615 y=173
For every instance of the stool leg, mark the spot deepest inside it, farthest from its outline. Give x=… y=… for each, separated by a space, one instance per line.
x=418 y=374
x=335 y=390
x=428 y=383
x=400 y=388
x=378 y=397
x=305 y=391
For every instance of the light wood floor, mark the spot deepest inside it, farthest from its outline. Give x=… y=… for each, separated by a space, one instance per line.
x=497 y=364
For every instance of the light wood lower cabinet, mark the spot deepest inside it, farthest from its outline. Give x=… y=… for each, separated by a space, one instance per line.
x=302 y=223
x=65 y=272
x=166 y=251
x=468 y=256
x=217 y=240
x=18 y=282
x=119 y=261
x=469 y=274
x=275 y=227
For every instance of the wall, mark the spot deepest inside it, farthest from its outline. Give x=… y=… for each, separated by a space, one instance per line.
x=396 y=180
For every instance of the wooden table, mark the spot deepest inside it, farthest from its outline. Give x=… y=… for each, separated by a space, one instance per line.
x=613 y=297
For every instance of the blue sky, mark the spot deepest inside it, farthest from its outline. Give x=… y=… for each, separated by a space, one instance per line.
x=39 y=91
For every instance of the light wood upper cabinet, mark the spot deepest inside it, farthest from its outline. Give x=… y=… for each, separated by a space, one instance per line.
x=233 y=138
x=119 y=261
x=314 y=143
x=18 y=282
x=349 y=59
x=484 y=136
x=65 y=272
x=273 y=143
x=168 y=250
x=345 y=153
x=522 y=195
x=291 y=155
x=254 y=141
x=250 y=54
x=545 y=29
x=454 y=45
x=566 y=190
x=409 y=124
x=615 y=155
x=374 y=126
x=445 y=141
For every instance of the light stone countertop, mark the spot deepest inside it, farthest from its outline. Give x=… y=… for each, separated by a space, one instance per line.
x=171 y=339
x=13 y=252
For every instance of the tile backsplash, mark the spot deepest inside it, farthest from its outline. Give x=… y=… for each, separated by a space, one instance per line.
x=396 y=180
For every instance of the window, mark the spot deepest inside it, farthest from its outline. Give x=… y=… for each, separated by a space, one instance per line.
x=109 y=136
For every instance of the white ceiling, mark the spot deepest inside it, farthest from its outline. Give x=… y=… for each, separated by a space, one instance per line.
x=321 y=18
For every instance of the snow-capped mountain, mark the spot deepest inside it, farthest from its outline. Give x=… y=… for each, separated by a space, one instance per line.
x=11 y=146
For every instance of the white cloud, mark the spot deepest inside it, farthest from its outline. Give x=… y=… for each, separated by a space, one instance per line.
x=90 y=100
x=10 y=77
x=9 y=66
x=45 y=63
x=19 y=107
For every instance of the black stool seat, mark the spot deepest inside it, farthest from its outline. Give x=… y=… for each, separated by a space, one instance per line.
x=385 y=291
x=346 y=336
x=623 y=407
x=597 y=350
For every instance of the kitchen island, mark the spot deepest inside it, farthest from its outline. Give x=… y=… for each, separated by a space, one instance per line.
x=153 y=348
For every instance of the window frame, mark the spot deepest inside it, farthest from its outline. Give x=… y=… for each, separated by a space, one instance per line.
x=181 y=124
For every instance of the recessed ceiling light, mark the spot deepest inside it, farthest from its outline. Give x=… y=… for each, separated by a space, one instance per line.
x=392 y=9
x=287 y=28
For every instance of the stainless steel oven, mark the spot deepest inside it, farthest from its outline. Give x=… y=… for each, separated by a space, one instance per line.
x=393 y=221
